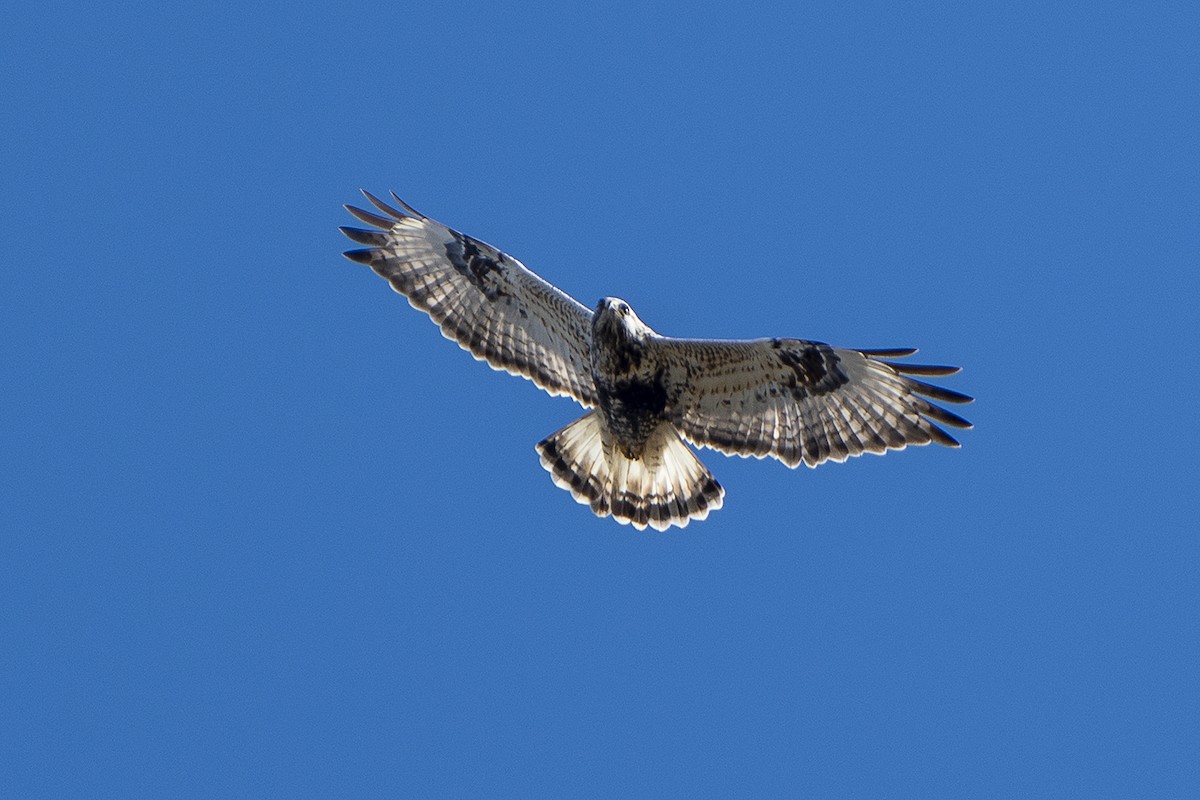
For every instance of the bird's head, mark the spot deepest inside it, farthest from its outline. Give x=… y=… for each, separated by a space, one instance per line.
x=614 y=316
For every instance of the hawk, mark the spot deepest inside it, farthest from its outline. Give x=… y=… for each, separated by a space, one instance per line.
x=802 y=402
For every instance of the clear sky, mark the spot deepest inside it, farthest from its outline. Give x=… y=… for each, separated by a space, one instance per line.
x=267 y=533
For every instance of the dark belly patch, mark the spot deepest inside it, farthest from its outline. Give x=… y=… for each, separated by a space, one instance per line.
x=633 y=409
x=640 y=397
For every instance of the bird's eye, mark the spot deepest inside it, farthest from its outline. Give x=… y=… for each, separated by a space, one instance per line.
x=622 y=309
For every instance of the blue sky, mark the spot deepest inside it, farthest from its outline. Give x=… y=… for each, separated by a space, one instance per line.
x=268 y=533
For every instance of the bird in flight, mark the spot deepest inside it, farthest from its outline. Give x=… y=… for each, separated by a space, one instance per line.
x=799 y=401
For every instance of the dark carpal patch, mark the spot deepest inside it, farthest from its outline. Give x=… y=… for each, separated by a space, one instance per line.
x=815 y=368
x=476 y=266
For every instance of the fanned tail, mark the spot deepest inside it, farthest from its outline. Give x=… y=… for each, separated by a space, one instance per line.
x=666 y=486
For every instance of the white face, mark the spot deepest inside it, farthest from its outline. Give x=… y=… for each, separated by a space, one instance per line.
x=617 y=311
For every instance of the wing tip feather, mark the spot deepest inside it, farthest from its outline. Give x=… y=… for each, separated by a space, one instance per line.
x=939 y=392
x=364 y=236
x=941 y=437
x=364 y=256
x=369 y=217
x=891 y=352
x=382 y=206
x=935 y=370
x=407 y=207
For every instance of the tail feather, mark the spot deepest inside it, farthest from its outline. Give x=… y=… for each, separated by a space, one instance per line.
x=666 y=486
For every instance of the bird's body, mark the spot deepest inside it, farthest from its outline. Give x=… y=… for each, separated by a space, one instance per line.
x=631 y=384
x=792 y=399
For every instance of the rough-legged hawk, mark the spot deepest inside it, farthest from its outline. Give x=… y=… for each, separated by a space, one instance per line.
x=801 y=402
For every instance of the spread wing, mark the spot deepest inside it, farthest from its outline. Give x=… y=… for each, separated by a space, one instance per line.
x=803 y=402
x=485 y=300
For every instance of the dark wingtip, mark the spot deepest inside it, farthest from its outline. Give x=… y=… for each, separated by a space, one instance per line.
x=943 y=416
x=938 y=393
x=895 y=352
x=370 y=218
x=925 y=369
x=361 y=256
x=382 y=206
x=407 y=207
x=364 y=236
x=943 y=438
